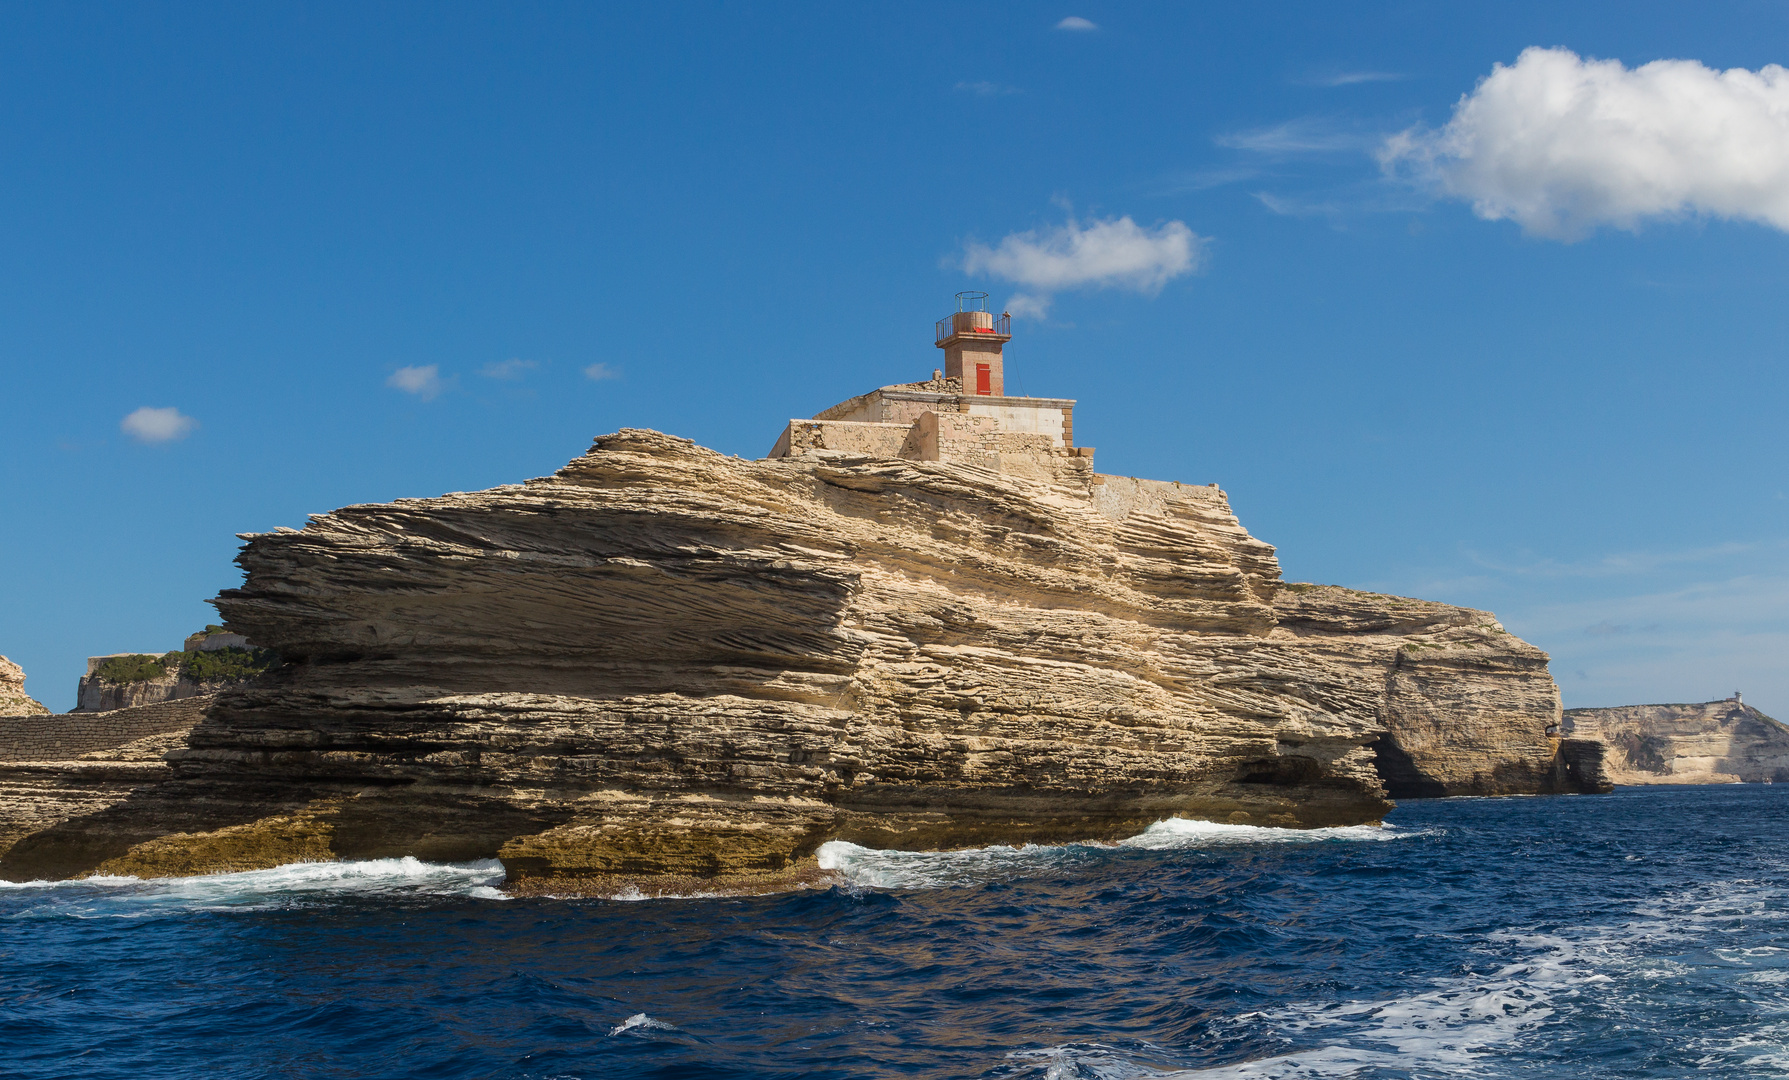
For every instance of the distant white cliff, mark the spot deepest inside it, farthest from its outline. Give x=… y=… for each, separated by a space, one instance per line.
x=1712 y=742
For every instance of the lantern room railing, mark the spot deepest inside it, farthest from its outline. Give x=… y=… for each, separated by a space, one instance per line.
x=963 y=322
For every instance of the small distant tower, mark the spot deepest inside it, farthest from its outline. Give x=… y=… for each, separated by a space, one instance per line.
x=971 y=338
x=1737 y=700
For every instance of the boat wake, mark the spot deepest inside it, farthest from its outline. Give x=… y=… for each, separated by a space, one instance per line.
x=1540 y=988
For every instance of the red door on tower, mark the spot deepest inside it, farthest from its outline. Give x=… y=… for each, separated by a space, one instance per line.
x=984 y=383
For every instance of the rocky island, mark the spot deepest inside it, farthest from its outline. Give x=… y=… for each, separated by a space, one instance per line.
x=924 y=621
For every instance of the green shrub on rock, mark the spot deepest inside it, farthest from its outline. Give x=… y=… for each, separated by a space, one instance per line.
x=134 y=668
x=229 y=663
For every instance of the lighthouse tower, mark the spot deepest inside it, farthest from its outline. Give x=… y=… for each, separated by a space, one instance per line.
x=971 y=338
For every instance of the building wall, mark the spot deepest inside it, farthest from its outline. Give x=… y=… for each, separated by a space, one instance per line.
x=1024 y=419
x=852 y=437
x=930 y=422
x=863 y=407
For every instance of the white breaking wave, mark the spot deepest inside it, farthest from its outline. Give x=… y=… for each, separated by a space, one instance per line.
x=641 y=1022
x=1188 y=833
x=885 y=869
x=282 y=886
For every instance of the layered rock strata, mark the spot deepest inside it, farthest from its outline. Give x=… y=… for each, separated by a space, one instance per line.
x=1467 y=707
x=665 y=661
x=13 y=699
x=1713 y=742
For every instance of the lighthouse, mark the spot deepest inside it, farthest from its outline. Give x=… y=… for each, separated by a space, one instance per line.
x=960 y=414
x=972 y=338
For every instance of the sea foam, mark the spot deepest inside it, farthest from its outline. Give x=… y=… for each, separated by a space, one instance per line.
x=292 y=885
x=889 y=869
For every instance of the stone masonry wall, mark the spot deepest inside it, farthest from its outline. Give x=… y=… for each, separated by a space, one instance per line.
x=61 y=736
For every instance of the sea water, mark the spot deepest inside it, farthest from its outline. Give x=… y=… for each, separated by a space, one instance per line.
x=1642 y=934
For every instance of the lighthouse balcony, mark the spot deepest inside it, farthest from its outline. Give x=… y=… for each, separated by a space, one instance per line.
x=967 y=323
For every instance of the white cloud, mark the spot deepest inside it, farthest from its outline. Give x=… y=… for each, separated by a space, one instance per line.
x=1026 y=306
x=149 y=425
x=1561 y=145
x=507 y=369
x=423 y=381
x=1075 y=22
x=599 y=372
x=1114 y=253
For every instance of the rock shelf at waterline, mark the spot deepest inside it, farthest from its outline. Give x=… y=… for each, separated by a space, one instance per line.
x=665 y=663
x=838 y=863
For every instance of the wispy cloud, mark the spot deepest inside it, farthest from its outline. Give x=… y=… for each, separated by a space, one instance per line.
x=1353 y=78
x=147 y=425
x=424 y=381
x=1335 y=154
x=1289 y=206
x=599 y=372
x=1206 y=179
x=1075 y=22
x=988 y=89
x=1611 y=629
x=507 y=369
x=1340 y=202
x=1634 y=627
x=1306 y=135
x=1614 y=564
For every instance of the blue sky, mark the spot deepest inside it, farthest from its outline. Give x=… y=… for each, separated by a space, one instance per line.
x=351 y=253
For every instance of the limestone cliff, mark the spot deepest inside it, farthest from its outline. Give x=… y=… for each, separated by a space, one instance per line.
x=1467 y=707
x=1714 y=742
x=665 y=661
x=211 y=661
x=13 y=699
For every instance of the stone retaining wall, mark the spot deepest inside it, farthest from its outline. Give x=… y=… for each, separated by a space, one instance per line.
x=62 y=736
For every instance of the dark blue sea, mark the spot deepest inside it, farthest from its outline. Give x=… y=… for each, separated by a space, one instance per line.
x=1643 y=934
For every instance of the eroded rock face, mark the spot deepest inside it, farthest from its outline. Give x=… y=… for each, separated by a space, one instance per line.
x=13 y=699
x=1713 y=742
x=1467 y=706
x=665 y=661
